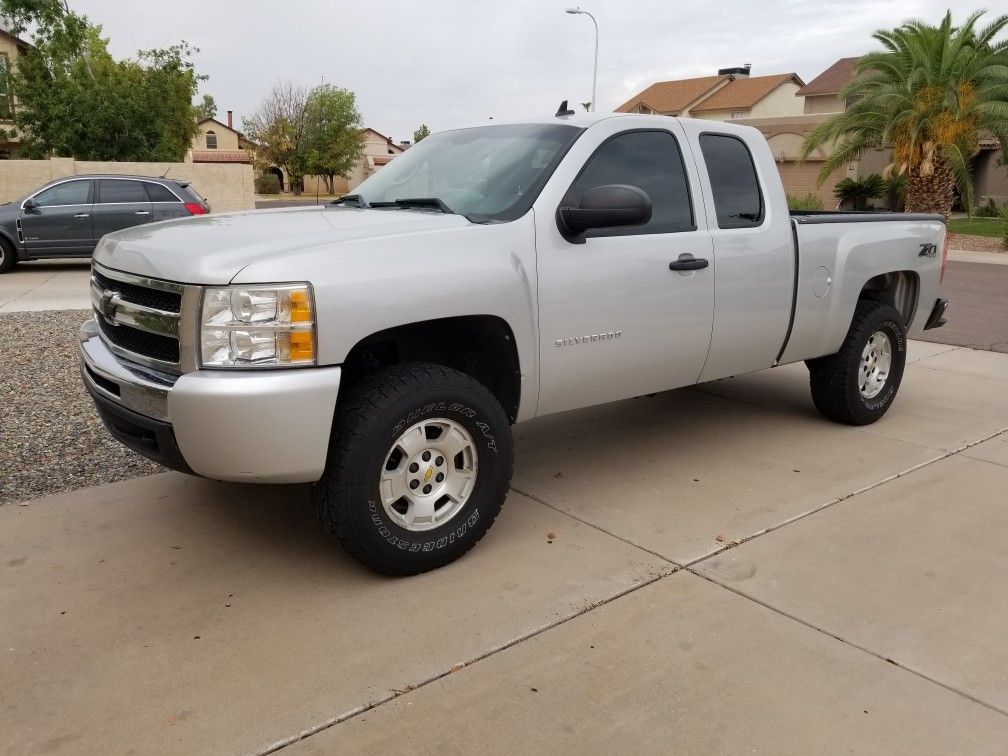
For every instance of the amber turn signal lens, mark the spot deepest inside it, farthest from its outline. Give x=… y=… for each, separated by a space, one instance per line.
x=302 y=346
x=300 y=306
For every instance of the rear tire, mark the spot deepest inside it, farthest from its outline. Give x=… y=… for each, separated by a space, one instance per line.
x=8 y=256
x=419 y=464
x=859 y=383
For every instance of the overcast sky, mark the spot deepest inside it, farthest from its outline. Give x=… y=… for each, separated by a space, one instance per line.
x=447 y=62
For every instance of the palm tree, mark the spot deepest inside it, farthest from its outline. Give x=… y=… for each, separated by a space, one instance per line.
x=928 y=96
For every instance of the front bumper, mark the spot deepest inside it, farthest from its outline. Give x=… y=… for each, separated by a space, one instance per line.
x=258 y=426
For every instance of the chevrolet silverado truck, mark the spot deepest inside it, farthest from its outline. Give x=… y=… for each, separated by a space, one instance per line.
x=382 y=346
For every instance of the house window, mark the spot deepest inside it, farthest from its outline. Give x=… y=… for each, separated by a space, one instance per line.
x=644 y=109
x=6 y=111
x=211 y=140
x=736 y=114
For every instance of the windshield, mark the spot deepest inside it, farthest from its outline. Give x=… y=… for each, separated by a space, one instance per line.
x=485 y=173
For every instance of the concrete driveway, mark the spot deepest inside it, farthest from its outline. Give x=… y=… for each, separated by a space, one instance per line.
x=709 y=570
x=46 y=285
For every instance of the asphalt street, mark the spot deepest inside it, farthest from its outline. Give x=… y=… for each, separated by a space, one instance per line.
x=978 y=307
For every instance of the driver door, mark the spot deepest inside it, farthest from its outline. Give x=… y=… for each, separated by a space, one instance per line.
x=615 y=321
x=60 y=222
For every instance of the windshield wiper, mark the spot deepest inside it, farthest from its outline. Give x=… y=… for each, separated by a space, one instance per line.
x=421 y=202
x=356 y=199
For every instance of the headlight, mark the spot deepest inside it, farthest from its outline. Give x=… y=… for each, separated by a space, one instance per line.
x=258 y=326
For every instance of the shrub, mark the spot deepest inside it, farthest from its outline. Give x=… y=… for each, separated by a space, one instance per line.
x=855 y=193
x=988 y=210
x=267 y=183
x=1003 y=215
x=808 y=202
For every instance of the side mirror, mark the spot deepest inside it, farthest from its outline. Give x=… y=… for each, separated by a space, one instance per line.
x=30 y=205
x=606 y=206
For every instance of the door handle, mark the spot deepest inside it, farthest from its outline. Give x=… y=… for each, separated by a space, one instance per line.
x=82 y=215
x=142 y=212
x=688 y=262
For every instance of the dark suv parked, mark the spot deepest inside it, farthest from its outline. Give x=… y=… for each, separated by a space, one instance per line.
x=67 y=217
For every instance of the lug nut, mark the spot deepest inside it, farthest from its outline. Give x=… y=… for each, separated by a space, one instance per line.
x=414 y=467
x=427 y=489
x=414 y=483
x=425 y=456
x=439 y=461
x=439 y=477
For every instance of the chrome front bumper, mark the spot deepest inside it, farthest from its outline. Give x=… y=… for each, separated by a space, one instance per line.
x=258 y=426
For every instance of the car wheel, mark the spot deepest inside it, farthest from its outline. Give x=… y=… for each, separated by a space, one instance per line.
x=8 y=256
x=419 y=464
x=859 y=383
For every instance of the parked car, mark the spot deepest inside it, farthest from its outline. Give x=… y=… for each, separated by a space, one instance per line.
x=380 y=348
x=67 y=217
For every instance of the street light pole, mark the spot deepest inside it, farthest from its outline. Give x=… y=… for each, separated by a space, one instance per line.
x=578 y=11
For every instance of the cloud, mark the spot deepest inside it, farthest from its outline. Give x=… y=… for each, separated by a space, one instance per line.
x=446 y=62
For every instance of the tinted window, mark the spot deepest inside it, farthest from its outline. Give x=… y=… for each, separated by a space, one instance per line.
x=158 y=193
x=188 y=193
x=121 y=191
x=651 y=161
x=737 y=197
x=70 y=193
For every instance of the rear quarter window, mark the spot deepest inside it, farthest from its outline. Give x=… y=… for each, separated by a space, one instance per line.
x=738 y=200
x=158 y=193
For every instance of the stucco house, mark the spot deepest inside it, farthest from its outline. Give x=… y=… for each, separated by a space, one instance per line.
x=732 y=94
x=379 y=150
x=217 y=142
x=11 y=48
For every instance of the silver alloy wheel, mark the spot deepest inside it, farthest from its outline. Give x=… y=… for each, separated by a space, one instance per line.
x=876 y=361
x=428 y=474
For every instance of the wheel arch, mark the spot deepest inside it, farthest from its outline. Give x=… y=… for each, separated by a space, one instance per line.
x=900 y=288
x=481 y=346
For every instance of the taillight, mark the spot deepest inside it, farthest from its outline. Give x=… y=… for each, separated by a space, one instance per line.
x=195 y=208
x=944 y=259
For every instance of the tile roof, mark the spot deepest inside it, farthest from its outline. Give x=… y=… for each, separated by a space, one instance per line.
x=220 y=156
x=672 y=96
x=745 y=92
x=832 y=80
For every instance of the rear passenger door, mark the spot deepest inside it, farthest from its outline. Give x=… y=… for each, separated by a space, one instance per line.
x=120 y=203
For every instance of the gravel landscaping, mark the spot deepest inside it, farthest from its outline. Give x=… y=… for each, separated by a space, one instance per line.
x=50 y=435
x=973 y=243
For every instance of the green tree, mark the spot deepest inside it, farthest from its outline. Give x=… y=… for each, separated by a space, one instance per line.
x=207 y=108
x=278 y=130
x=927 y=95
x=421 y=133
x=334 y=140
x=75 y=100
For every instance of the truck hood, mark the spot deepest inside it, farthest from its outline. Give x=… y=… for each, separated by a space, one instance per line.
x=212 y=249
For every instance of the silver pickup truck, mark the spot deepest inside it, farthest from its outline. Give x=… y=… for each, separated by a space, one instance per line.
x=382 y=346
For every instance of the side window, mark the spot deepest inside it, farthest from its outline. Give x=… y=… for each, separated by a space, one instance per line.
x=158 y=193
x=68 y=193
x=737 y=197
x=651 y=161
x=211 y=140
x=110 y=191
x=6 y=107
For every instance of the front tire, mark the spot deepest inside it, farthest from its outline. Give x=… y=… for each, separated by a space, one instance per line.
x=859 y=383
x=8 y=256
x=419 y=464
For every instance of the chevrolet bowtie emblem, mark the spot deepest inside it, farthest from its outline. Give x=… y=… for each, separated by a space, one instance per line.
x=107 y=305
x=427 y=475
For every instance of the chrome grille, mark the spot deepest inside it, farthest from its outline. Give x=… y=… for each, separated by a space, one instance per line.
x=138 y=318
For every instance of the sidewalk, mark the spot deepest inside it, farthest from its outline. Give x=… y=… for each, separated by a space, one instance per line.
x=863 y=607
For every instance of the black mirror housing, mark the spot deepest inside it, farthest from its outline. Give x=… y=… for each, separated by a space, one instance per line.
x=608 y=206
x=30 y=204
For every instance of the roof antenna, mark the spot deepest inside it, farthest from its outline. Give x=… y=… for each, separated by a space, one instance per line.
x=166 y=172
x=563 y=110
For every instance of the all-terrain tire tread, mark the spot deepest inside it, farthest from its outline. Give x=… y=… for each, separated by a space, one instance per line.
x=353 y=413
